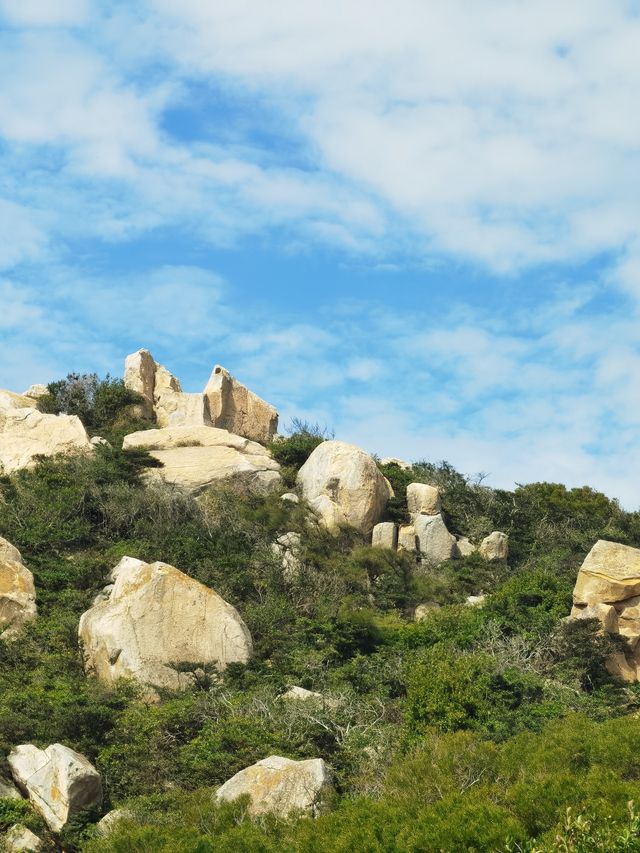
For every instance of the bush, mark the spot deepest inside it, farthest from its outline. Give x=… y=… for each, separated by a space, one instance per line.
x=294 y=450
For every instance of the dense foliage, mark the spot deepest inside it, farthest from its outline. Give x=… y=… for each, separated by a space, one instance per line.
x=476 y=728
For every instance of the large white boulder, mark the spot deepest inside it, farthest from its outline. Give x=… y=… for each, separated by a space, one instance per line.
x=339 y=481
x=19 y=839
x=281 y=786
x=17 y=591
x=435 y=543
x=158 y=626
x=26 y=433
x=385 y=535
x=196 y=457
x=9 y=400
x=234 y=408
x=58 y=781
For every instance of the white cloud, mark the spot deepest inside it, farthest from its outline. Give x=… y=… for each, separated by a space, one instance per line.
x=44 y=13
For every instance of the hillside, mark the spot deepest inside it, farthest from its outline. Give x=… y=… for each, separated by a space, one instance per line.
x=427 y=663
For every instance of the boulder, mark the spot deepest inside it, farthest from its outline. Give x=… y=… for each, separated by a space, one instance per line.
x=156 y=625
x=290 y=497
x=19 y=838
x=234 y=408
x=281 y=786
x=197 y=457
x=464 y=548
x=610 y=573
x=301 y=694
x=608 y=589
x=146 y=377
x=475 y=600
x=9 y=400
x=435 y=543
x=17 y=591
x=26 y=433
x=495 y=546
x=58 y=781
x=176 y=408
x=36 y=391
x=106 y=825
x=286 y=549
x=407 y=539
x=422 y=498
x=349 y=478
x=385 y=535
x=328 y=514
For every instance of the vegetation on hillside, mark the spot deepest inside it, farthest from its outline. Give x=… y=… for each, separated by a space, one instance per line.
x=477 y=728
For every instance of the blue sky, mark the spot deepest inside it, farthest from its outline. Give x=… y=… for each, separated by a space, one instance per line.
x=416 y=223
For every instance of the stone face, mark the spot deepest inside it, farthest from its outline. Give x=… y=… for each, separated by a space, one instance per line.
x=17 y=591
x=464 y=547
x=435 y=543
x=608 y=589
x=58 y=781
x=385 y=535
x=107 y=824
x=156 y=624
x=350 y=480
x=198 y=457
x=234 y=408
x=9 y=400
x=8 y=790
x=610 y=573
x=36 y=391
x=287 y=549
x=26 y=433
x=422 y=498
x=407 y=538
x=280 y=786
x=19 y=838
x=175 y=408
x=495 y=546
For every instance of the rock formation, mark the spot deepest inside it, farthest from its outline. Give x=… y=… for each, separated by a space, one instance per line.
x=19 y=839
x=17 y=591
x=435 y=543
x=287 y=549
x=343 y=485
x=58 y=781
x=422 y=498
x=495 y=546
x=158 y=623
x=385 y=535
x=234 y=408
x=281 y=786
x=26 y=433
x=197 y=457
x=608 y=588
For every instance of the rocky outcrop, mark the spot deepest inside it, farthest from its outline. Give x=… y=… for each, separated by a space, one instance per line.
x=407 y=539
x=464 y=547
x=19 y=839
x=9 y=400
x=158 y=626
x=17 y=591
x=435 y=543
x=495 y=547
x=343 y=485
x=422 y=498
x=281 y=786
x=36 y=391
x=144 y=376
x=608 y=589
x=26 y=433
x=58 y=781
x=286 y=549
x=234 y=408
x=197 y=457
x=385 y=535
x=175 y=408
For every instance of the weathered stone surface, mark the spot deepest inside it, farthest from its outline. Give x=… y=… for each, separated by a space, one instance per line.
x=146 y=377
x=197 y=457
x=280 y=786
x=393 y=460
x=107 y=824
x=385 y=535
x=156 y=623
x=36 y=391
x=435 y=543
x=328 y=514
x=58 y=781
x=476 y=600
x=9 y=400
x=26 y=433
x=17 y=591
x=610 y=573
x=605 y=613
x=287 y=549
x=8 y=790
x=495 y=546
x=464 y=548
x=301 y=694
x=19 y=839
x=422 y=498
x=349 y=478
x=234 y=408
x=407 y=539
x=290 y=497
x=176 y=408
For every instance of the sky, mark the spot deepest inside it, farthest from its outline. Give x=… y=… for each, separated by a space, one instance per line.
x=415 y=223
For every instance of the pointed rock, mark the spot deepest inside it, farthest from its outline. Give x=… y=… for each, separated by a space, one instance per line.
x=234 y=408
